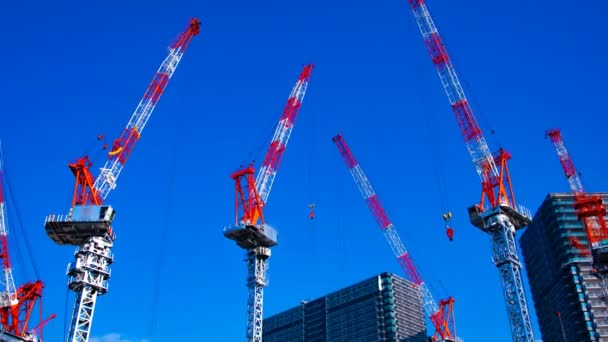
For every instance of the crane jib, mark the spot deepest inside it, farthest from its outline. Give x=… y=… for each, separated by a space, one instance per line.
x=441 y=316
x=272 y=159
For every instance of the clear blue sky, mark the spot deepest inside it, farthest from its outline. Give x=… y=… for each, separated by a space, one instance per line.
x=74 y=70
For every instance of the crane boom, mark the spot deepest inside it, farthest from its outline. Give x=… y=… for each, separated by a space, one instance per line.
x=444 y=324
x=564 y=158
x=502 y=217
x=472 y=134
x=282 y=132
x=122 y=147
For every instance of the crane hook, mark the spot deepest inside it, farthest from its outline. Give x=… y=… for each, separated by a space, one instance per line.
x=449 y=231
x=311 y=206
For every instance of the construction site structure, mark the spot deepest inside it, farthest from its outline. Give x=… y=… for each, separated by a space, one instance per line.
x=250 y=230
x=88 y=222
x=441 y=313
x=16 y=303
x=591 y=210
x=499 y=217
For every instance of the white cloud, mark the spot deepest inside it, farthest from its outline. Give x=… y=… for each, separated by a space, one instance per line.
x=113 y=338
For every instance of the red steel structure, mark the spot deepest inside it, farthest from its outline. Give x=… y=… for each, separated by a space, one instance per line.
x=250 y=230
x=90 y=190
x=442 y=315
x=88 y=223
x=590 y=209
x=497 y=213
x=17 y=303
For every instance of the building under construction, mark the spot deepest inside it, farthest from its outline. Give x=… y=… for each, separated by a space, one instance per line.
x=382 y=308
x=567 y=295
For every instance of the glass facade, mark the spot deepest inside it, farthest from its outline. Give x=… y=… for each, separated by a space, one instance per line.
x=567 y=296
x=382 y=308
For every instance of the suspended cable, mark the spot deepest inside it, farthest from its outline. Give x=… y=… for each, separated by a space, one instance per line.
x=340 y=217
x=164 y=238
x=65 y=313
x=438 y=160
x=486 y=121
x=21 y=227
x=15 y=244
x=473 y=99
x=310 y=177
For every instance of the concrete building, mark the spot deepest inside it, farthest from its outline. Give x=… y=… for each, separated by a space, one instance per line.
x=567 y=296
x=382 y=308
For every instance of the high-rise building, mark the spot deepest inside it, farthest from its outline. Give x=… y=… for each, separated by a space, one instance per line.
x=567 y=296
x=382 y=308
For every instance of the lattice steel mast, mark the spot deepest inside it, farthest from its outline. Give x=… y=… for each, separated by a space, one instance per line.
x=87 y=225
x=441 y=316
x=250 y=230
x=501 y=217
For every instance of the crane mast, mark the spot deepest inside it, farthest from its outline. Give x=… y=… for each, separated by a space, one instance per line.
x=250 y=230
x=441 y=316
x=88 y=223
x=501 y=217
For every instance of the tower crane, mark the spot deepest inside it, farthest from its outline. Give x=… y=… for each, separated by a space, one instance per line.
x=591 y=210
x=88 y=222
x=16 y=303
x=442 y=315
x=499 y=217
x=250 y=230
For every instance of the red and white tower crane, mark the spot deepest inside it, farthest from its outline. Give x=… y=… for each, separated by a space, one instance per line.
x=88 y=223
x=590 y=209
x=16 y=303
x=442 y=315
x=250 y=230
x=500 y=217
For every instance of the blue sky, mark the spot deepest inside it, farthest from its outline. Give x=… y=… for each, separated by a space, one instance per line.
x=74 y=70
